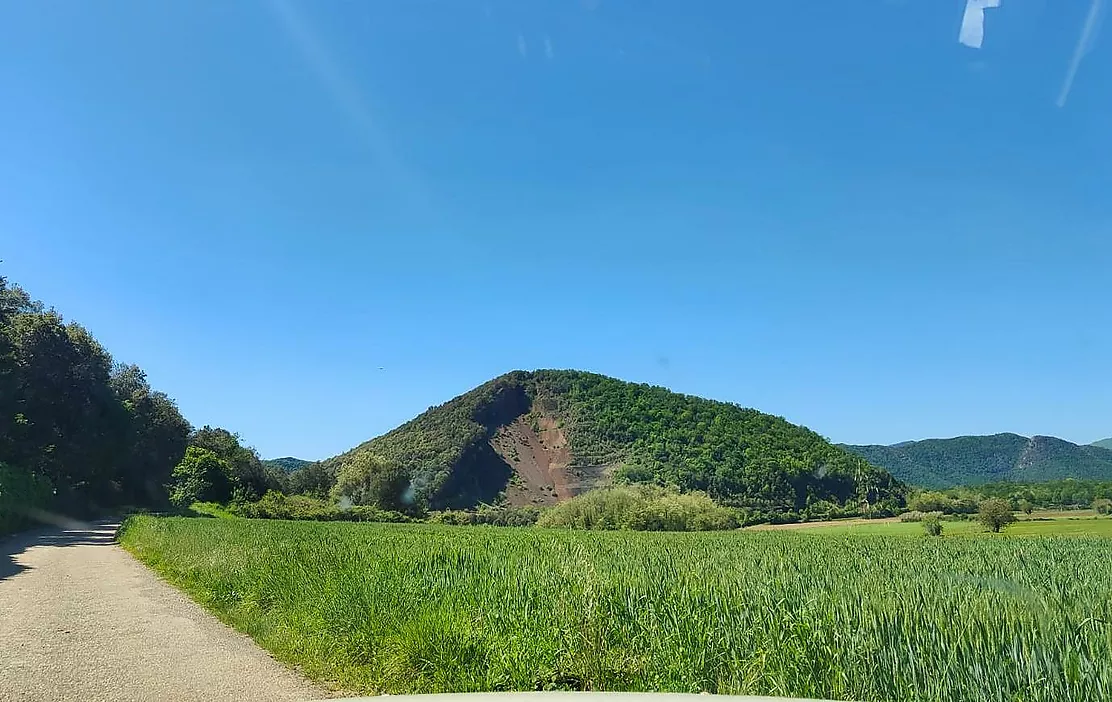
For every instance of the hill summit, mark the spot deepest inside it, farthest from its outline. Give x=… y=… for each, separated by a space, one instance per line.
x=974 y=460
x=544 y=436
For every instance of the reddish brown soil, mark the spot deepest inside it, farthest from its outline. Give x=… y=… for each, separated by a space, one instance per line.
x=541 y=462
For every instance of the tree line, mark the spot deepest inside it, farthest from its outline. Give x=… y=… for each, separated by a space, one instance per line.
x=81 y=434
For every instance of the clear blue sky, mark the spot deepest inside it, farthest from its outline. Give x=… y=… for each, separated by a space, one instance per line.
x=832 y=211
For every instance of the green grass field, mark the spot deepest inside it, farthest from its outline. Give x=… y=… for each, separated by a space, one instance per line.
x=859 y=616
x=1079 y=523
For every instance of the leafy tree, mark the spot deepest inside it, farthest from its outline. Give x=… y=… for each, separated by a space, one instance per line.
x=313 y=479
x=932 y=525
x=250 y=478
x=995 y=514
x=1102 y=505
x=372 y=480
x=156 y=437
x=202 y=476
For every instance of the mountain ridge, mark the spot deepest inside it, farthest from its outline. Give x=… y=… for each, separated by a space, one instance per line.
x=975 y=460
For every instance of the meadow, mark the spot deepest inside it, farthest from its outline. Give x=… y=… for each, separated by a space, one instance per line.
x=824 y=614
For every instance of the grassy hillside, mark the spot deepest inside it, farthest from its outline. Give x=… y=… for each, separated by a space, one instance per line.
x=1103 y=443
x=973 y=460
x=288 y=463
x=624 y=432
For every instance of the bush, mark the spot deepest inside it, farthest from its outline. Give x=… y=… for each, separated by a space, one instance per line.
x=275 y=505
x=495 y=516
x=941 y=502
x=995 y=514
x=641 y=508
x=920 y=516
x=21 y=493
x=932 y=524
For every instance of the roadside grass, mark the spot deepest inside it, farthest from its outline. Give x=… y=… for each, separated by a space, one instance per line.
x=856 y=616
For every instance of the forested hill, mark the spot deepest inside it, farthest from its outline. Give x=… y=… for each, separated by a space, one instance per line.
x=973 y=460
x=580 y=430
x=1103 y=443
x=287 y=463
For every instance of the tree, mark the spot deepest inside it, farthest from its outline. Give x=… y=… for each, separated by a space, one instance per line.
x=313 y=479
x=1102 y=505
x=202 y=476
x=995 y=514
x=932 y=525
x=368 y=479
x=249 y=476
x=157 y=436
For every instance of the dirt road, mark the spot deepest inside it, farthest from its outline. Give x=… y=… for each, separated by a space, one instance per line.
x=80 y=619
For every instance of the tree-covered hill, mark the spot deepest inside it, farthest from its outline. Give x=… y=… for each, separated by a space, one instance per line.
x=637 y=433
x=1103 y=443
x=974 y=460
x=286 y=464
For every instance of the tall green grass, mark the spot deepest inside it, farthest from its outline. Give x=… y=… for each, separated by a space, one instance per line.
x=421 y=608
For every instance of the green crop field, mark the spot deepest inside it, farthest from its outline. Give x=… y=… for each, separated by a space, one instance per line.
x=421 y=608
x=1080 y=523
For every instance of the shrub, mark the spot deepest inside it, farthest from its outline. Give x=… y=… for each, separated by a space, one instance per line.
x=275 y=505
x=919 y=516
x=642 y=508
x=932 y=524
x=995 y=514
x=496 y=516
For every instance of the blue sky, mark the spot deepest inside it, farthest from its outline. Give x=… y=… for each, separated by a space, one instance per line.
x=310 y=221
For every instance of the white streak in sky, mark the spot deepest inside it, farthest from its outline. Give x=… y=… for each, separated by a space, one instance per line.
x=347 y=96
x=549 y=53
x=522 y=47
x=1084 y=45
x=973 y=23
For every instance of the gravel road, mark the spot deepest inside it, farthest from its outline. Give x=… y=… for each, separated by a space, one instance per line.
x=80 y=619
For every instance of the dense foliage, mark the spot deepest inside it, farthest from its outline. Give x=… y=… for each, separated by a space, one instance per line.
x=740 y=457
x=972 y=460
x=276 y=505
x=1069 y=494
x=995 y=514
x=286 y=464
x=202 y=476
x=421 y=608
x=72 y=418
x=22 y=494
x=641 y=508
x=368 y=479
x=250 y=478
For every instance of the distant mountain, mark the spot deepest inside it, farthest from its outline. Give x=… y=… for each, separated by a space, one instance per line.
x=973 y=460
x=1103 y=443
x=544 y=436
x=288 y=464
